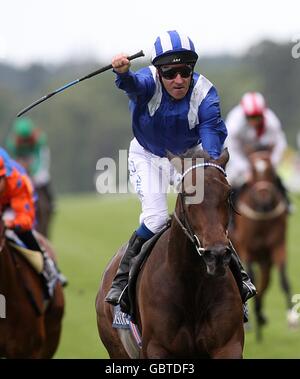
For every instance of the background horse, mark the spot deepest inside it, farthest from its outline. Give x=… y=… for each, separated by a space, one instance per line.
x=30 y=329
x=260 y=230
x=44 y=203
x=187 y=302
x=44 y=211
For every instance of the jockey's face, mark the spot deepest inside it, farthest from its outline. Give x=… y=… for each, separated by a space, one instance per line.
x=176 y=79
x=255 y=121
x=2 y=184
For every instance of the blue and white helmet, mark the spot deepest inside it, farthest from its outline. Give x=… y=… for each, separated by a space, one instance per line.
x=173 y=47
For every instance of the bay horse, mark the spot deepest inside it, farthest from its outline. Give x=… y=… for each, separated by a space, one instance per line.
x=260 y=230
x=29 y=328
x=188 y=304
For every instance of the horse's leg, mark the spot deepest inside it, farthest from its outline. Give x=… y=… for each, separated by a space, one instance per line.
x=279 y=258
x=108 y=335
x=53 y=323
x=285 y=285
x=232 y=350
x=280 y=261
x=154 y=350
x=265 y=269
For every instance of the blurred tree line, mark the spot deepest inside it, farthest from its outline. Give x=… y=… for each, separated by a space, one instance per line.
x=91 y=120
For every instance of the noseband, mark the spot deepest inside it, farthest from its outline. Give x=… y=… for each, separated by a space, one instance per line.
x=185 y=225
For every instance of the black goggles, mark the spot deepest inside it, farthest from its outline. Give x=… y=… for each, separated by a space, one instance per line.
x=171 y=72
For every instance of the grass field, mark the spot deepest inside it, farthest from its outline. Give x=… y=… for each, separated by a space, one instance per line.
x=88 y=229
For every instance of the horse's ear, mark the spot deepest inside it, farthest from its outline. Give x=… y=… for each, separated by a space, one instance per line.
x=224 y=158
x=176 y=161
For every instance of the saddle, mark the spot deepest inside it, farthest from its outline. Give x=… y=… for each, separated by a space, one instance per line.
x=33 y=257
x=129 y=333
x=136 y=266
x=125 y=323
x=36 y=260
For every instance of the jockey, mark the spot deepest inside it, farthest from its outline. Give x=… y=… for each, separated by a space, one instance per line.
x=27 y=144
x=17 y=195
x=251 y=123
x=173 y=109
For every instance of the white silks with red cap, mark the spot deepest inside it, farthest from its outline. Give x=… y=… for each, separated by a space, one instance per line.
x=253 y=104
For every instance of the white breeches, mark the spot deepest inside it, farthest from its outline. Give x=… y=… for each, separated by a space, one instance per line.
x=238 y=171
x=151 y=176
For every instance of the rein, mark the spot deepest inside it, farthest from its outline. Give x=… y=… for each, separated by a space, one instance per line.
x=185 y=226
x=189 y=232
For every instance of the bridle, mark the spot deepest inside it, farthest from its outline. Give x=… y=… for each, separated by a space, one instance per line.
x=185 y=225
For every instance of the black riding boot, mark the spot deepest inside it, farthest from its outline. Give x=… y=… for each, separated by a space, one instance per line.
x=246 y=287
x=50 y=273
x=120 y=281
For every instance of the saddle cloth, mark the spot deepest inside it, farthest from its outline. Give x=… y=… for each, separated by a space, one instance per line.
x=128 y=332
x=137 y=264
x=123 y=322
x=34 y=258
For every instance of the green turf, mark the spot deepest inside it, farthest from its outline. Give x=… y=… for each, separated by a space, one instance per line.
x=88 y=229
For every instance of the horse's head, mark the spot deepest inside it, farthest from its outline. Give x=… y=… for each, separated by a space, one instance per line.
x=263 y=177
x=260 y=162
x=202 y=207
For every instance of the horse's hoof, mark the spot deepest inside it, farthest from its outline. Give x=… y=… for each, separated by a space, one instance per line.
x=248 y=326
